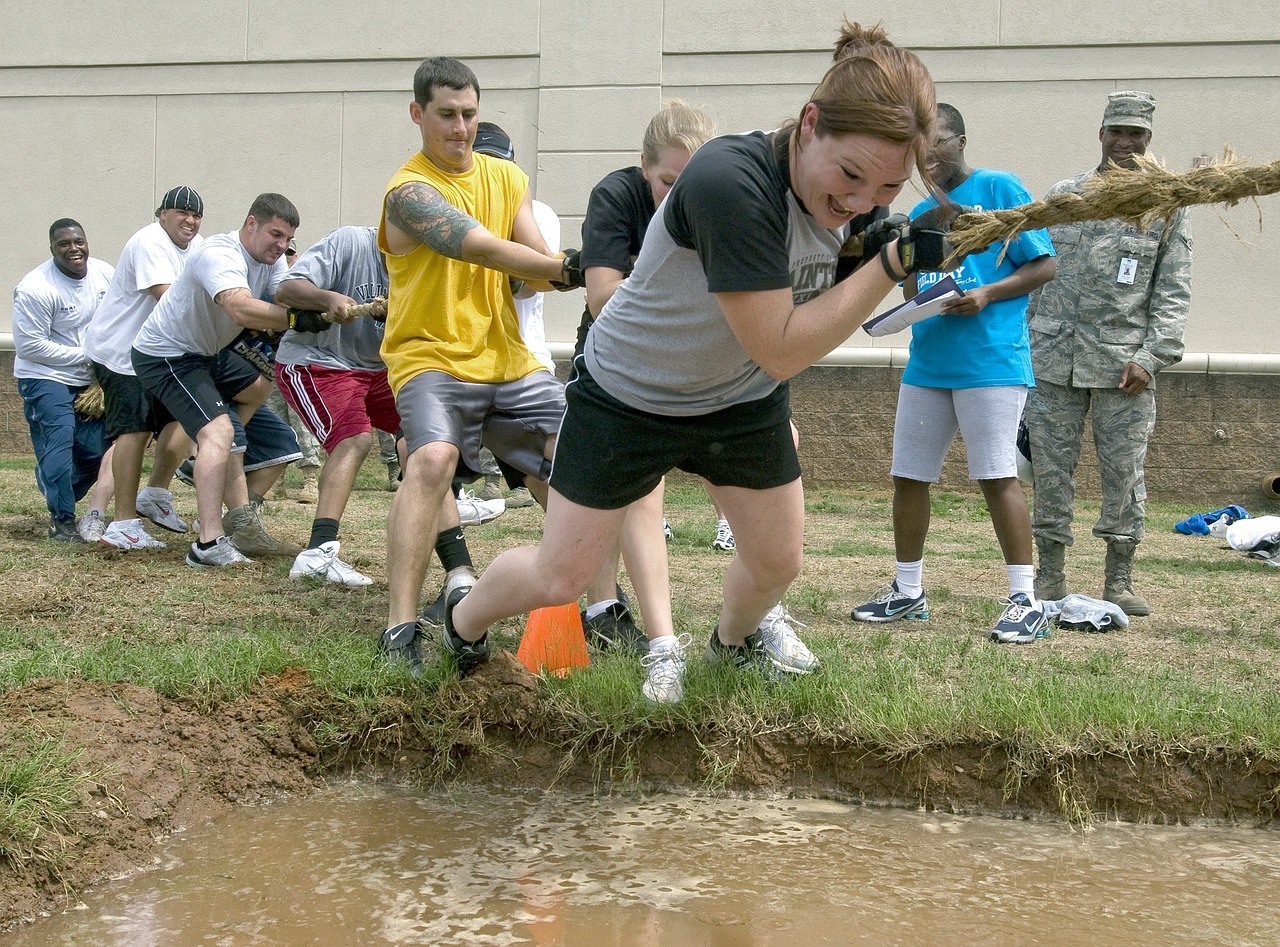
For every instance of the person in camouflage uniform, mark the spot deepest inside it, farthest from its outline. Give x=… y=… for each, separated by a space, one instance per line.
x=1100 y=333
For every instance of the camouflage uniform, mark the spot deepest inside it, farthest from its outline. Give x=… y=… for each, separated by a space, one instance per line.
x=1085 y=326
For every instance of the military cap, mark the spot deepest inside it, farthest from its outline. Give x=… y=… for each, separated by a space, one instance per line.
x=1131 y=109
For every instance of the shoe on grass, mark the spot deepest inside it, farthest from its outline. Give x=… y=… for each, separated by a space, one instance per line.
x=218 y=556
x=741 y=657
x=615 y=628
x=664 y=670
x=64 y=531
x=400 y=644
x=781 y=644
x=519 y=498
x=91 y=526
x=156 y=504
x=130 y=535
x=1022 y=622
x=889 y=604
x=724 y=540
x=467 y=655
x=323 y=565
x=472 y=511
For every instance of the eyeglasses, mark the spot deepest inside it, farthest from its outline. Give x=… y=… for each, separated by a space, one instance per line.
x=939 y=142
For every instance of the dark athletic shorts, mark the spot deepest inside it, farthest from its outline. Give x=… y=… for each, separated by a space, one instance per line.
x=197 y=388
x=610 y=454
x=130 y=408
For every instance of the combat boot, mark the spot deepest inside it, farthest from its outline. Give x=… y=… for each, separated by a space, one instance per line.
x=1118 y=588
x=244 y=528
x=1051 y=577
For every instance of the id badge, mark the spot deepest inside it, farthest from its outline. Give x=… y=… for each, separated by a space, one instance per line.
x=1128 y=271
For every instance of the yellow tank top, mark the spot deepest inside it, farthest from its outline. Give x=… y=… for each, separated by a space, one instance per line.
x=447 y=315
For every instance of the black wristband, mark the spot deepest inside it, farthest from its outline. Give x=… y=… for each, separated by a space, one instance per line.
x=888 y=267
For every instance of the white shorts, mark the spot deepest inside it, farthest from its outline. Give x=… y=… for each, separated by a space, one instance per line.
x=928 y=419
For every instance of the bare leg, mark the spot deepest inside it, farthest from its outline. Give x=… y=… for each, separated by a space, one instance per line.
x=1010 y=517
x=211 y=474
x=261 y=480
x=126 y=465
x=172 y=448
x=415 y=514
x=338 y=475
x=910 y=518
x=105 y=486
x=769 y=528
x=645 y=551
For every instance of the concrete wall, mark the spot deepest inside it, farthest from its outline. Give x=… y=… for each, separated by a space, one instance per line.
x=108 y=104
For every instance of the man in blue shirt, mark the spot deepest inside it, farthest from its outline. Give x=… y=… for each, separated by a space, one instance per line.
x=969 y=372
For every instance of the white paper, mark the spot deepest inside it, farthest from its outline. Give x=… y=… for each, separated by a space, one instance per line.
x=921 y=306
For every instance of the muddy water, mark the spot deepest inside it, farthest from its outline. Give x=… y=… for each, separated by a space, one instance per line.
x=361 y=865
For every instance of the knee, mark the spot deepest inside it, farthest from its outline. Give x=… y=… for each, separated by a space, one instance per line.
x=361 y=443
x=217 y=435
x=565 y=585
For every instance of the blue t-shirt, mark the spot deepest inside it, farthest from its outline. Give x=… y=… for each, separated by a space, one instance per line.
x=990 y=348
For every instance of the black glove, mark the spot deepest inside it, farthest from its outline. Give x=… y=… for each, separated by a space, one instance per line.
x=570 y=272
x=881 y=232
x=922 y=243
x=306 y=320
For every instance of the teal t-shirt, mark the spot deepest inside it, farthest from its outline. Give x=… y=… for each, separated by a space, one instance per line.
x=991 y=348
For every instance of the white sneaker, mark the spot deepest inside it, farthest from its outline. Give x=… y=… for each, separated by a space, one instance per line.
x=724 y=537
x=156 y=504
x=323 y=565
x=664 y=683
x=91 y=526
x=129 y=535
x=782 y=645
x=221 y=554
x=472 y=511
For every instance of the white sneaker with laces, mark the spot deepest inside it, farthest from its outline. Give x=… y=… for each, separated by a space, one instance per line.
x=91 y=526
x=156 y=504
x=472 y=511
x=130 y=535
x=664 y=681
x=724 y=537
x=323 y=565
x=782 y=645
x=219 y=555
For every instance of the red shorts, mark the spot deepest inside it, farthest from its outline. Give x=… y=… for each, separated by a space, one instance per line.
x=337 y=403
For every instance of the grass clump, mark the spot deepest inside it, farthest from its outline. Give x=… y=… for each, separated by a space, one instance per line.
x=41 y=786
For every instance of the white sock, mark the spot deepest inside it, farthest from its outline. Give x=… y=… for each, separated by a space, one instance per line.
x=910 y=577
x=1022 y=579
x=599 y=608
x=663 y=643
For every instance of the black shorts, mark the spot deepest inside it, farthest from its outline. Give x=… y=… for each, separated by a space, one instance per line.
x=610 y=454
x=130 y=408
x=196 y=388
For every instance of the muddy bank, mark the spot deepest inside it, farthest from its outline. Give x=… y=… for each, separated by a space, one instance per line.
x=159 y=765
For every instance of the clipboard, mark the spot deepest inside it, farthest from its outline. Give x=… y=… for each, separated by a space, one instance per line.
x=924 y=304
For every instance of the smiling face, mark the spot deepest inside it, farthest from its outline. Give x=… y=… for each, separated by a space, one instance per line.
x=838 y=177
x=1120 y=143
x=181 y=226
x=266 y=240
x=70 y=249
x=946 y=164
x=662 y=175
x=448 y=124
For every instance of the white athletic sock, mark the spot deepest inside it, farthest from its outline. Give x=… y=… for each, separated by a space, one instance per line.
x=910 y=577
x=1022 y=579
x=663 y=643
x=599 y=608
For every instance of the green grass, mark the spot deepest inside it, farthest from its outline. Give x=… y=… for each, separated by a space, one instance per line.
x=41 y=785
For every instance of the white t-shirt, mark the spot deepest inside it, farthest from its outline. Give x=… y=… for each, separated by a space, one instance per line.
x=50 y=312
x=187 y=321
x=529 y=311
x=149 y=259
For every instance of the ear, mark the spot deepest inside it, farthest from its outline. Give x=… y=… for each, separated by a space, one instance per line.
x=415 y=112
x=809 y=120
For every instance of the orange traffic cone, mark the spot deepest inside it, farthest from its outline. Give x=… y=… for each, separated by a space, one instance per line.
x=553 y=640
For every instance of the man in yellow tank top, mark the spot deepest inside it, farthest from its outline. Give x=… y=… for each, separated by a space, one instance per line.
x=456 y=229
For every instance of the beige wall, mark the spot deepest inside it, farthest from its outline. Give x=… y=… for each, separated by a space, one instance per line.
x=106 y=105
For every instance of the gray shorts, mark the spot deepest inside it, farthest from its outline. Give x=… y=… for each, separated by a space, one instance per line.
x=513 y=419
x=928 y=419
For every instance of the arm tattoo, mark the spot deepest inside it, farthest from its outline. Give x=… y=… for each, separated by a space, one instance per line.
x=423 y=214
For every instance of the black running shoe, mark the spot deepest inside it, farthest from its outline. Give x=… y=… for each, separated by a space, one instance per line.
x=615 y=628
x=749 y=654
x=433 y=615
x=467 y=655
x=400 y=643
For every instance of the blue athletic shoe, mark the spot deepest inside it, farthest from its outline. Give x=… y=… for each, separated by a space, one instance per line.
x=889 y=604
x=1022 y=622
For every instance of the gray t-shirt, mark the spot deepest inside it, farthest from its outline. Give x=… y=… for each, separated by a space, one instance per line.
x=187 y=321
x=346 y=261
x=730 y=224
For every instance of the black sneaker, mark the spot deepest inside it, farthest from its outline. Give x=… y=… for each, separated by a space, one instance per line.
x=433 y=615
x=615 y=628
x=400 y=643
x=186 y=472
x=64 y=531
x=749 y=654
x=467 y=655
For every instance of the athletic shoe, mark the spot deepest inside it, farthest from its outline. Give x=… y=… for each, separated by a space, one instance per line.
x=433 y=615
x=156 y=504
x=467 y=655
x=64 y=531
x=91 y=526
x=739 y=657
x=219 y=555
x=472 y=511
x=1022 y=622
x=666 y=530
x=890 y=605
x=186 y=472
x=615 y=628
x=323 y=565
x=664 y=678
x=782 y=645
x=724 y=537
x=400 y=644
x=129 y=535
x=519 y=498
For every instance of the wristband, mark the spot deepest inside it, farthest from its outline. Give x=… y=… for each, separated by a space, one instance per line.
x=888 y=267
